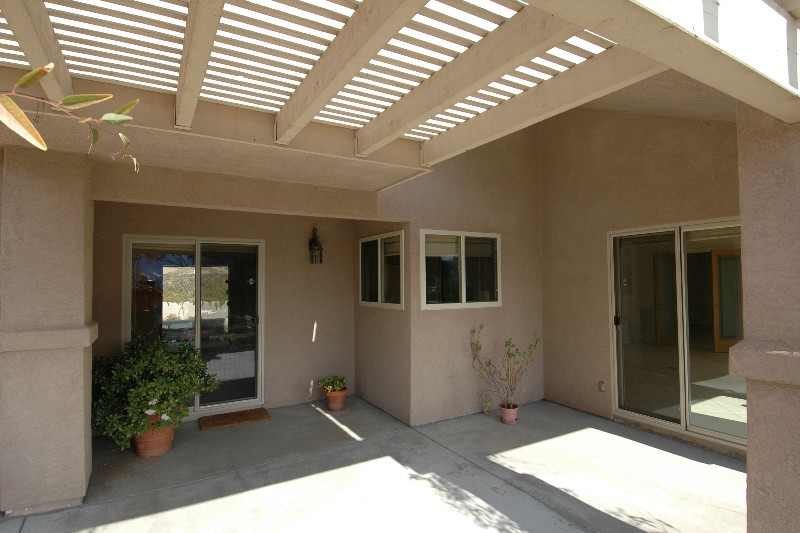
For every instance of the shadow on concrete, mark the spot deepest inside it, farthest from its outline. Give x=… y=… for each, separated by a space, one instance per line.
x=277 y=473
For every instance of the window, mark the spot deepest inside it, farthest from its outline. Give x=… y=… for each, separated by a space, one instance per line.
x=382 y=270
x=460 y=269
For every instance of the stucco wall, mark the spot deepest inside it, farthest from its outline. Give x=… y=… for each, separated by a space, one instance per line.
x=383 y=339
x=493 y=189
x=297 y=293
x=769 y=356
x=45 y=257
x=607 y=171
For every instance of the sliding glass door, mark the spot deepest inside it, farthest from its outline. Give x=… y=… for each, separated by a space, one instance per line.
x=648 y=357
x=206 y=293
x=675 y=321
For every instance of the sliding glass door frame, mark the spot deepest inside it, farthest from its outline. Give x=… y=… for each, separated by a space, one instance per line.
x=130 y=240
x=685 y=347
x=679 y=231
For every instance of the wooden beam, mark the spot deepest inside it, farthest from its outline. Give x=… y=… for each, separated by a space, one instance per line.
x=373 y=23
x=747 y=50
x=603 y=74
x=529 y=33
x=30 y=23
x=201 y=29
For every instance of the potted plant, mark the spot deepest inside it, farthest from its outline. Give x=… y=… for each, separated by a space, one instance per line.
x=502 y=377
x=335 y=388
x=140 y=394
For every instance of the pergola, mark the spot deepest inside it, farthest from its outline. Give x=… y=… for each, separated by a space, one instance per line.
x=365 y=95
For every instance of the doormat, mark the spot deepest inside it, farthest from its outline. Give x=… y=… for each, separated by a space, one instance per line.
x=238 y=418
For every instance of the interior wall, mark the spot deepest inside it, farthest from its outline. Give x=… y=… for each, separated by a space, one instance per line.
x=298 y=295
x=492 y=189
x=602 y=172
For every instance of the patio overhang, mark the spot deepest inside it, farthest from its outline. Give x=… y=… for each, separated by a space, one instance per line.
x=364 y=95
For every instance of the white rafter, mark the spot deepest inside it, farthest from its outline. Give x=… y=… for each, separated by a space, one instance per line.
x=747 y=50
x=373 y=23
x=33 y=31
x=201 y=28
x=610 y=71
x=528 y=34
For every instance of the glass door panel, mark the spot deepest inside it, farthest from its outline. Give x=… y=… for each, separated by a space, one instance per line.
x=229 y=319
x=648 y=357
x=717 y=400
x=163 y=291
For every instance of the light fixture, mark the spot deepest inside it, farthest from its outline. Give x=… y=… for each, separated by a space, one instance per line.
x=315 y=248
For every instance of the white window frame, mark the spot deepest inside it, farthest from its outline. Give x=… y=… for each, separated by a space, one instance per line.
x=463 y=304
x=379 y=303
x=129 y=241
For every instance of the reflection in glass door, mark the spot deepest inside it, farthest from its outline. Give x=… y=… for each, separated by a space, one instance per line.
x=717 y=400
x=167 y=282
x=229 y=319
x=648 y=358
x=675 y=325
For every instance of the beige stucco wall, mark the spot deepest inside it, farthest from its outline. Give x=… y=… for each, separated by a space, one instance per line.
x=45 y=331
x=297 y=293
x=604 y=172
x=493 y=189
x=383 y=339
x=769 y=356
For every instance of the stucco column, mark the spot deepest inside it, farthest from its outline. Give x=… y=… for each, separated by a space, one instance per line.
x=769 y=357
x=45 y=330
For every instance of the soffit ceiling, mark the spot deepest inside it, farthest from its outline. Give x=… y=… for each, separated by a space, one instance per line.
x=435 y=73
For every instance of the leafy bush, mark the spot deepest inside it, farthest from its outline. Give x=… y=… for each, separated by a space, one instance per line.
x=151 y=378
x=333 y=383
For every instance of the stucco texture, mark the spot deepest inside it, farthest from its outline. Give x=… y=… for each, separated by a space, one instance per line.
x=493 y=189
x=602 y=172
x=297 y=293
x=45 y=292
x=769 y=357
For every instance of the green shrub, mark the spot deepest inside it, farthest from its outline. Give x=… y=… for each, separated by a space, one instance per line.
x=151 y=377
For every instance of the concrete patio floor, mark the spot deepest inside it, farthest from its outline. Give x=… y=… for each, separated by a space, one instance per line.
x=361 y=470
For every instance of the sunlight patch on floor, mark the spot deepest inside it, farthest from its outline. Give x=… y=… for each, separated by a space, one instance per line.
x=352 y=434
x=361 y=497
x=651 y=489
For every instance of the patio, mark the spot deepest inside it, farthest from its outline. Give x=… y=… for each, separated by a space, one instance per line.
x=362 y=470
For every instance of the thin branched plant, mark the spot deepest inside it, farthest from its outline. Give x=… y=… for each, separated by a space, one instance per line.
x=15 y=119
x=502 y=377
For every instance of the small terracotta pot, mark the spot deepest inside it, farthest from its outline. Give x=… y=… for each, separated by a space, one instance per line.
x=156 y=442
x=336 y=400
x=508 y=415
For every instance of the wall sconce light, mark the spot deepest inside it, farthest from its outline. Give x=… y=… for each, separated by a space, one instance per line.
x=315 y=249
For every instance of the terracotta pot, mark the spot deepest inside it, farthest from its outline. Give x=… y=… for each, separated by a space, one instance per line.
x=508 y=415
x=336 y=400
x=154 y=443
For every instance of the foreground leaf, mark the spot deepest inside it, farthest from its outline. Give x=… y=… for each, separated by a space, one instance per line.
x=77 y=101
x=124 y=110
x=125 y=141
x=35 y=75
x=115 y=118
x=95 y=137
x=13 y=117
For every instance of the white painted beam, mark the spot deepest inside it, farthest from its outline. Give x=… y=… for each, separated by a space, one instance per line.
x=33 y=31
x=747 y=50
x=201 y=29
x=373 y=23
x=608 y=72
x=526 y=35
